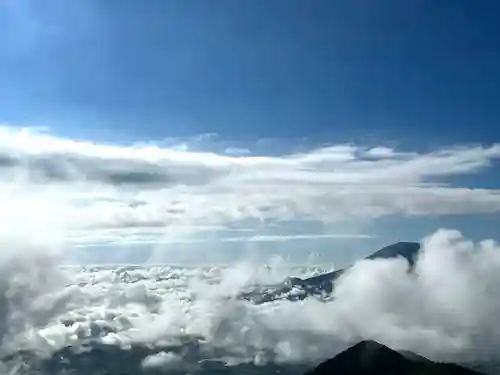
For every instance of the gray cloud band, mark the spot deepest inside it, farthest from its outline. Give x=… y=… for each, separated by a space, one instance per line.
x=75 y=168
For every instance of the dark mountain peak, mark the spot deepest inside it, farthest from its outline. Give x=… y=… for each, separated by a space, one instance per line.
x=407 y=250
x=371 y=357
x=368 y=345
x=368 y=354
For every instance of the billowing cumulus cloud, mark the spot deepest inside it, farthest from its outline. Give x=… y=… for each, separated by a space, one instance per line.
x=94 y=187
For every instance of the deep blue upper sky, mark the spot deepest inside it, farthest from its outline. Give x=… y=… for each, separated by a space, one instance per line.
x=420 y=74
x=338 y=70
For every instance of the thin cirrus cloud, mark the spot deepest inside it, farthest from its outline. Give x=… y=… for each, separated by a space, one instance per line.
x=93 y=186
x=112 y=238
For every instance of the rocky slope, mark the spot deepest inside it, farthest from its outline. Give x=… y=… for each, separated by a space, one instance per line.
x=295 y=288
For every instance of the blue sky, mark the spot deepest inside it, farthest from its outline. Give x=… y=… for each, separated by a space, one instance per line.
x=268 y=76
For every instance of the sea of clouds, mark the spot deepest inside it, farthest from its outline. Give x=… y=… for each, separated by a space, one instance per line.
x=186 y=318
x=57 y=194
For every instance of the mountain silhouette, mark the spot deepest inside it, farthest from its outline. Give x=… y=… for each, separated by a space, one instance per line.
x=407 y=250
x=371 y=357
x=295 y=288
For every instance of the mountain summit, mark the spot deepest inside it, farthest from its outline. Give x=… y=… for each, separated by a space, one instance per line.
x=407 y=250
x=295 y=288
x=371 y=357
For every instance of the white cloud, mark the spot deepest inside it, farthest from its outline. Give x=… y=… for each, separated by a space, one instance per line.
x=89 y=187
x=236 y=151
x=380 y=152
x=163 y=360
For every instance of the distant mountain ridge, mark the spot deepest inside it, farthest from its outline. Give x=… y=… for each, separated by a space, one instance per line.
x=372 y=358
x=295 y=288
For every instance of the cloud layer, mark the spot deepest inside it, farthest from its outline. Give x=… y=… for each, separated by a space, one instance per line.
x=93 y=187
x=447 y=310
